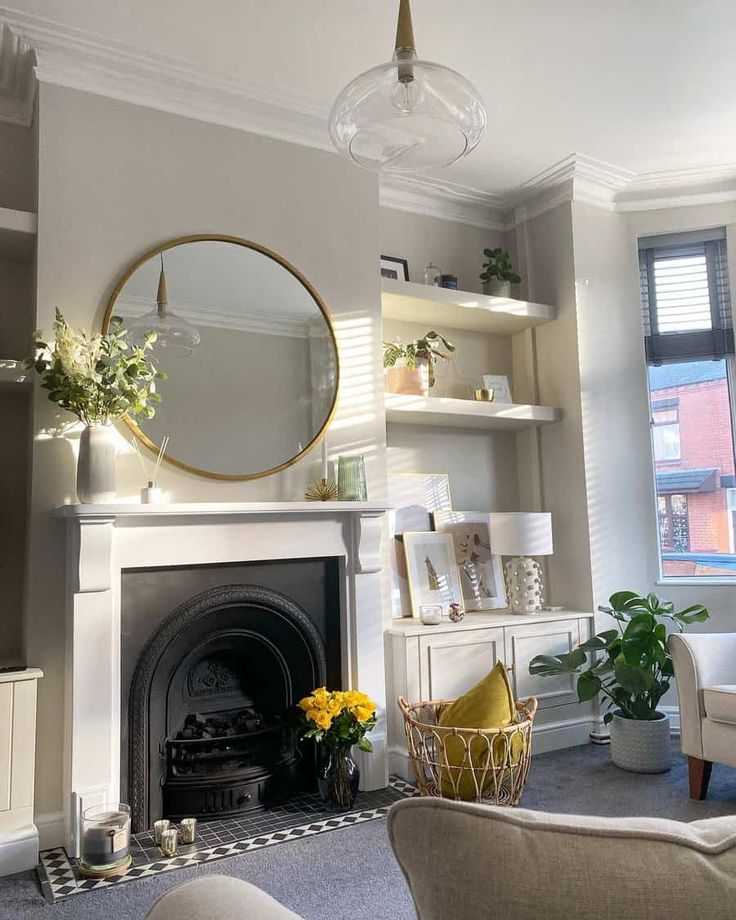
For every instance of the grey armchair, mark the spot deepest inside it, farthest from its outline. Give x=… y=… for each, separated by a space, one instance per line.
x=221 y=897
x=705 y=671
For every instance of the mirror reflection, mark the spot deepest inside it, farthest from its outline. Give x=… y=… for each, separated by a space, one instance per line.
x=248 y=349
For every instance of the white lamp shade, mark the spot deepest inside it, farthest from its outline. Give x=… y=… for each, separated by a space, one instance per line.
x=521 y=533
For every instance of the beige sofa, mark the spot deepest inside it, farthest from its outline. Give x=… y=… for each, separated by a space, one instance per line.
x=705 y=671
x=471 y=862
x=474 y=862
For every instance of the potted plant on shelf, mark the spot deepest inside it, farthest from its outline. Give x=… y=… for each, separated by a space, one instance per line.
x=337 y=720
x=498 y=273
x=409 y=368
x=633 y=673
x=100 y=379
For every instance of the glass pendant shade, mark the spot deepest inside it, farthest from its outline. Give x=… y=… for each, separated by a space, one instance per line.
x=408 y=115
x=173 y=333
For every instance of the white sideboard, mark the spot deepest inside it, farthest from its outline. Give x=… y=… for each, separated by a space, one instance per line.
x=442 y=662
x=18 y=834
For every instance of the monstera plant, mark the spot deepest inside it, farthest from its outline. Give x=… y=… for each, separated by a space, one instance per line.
x=632 y=669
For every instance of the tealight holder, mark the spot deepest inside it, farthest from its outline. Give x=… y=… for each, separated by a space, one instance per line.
x=169 y=845
x=158 y=828
x=187 y=830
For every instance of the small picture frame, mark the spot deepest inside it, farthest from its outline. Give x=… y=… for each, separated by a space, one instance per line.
x=499 y=383
x=481 y=570
x=394 y=268
x=433 y=573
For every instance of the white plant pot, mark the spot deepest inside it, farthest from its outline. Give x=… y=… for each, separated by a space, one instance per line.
x=497 y=288
x=641 y=747
x=96 y=465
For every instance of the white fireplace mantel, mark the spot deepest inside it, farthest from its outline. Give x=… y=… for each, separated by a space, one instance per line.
x=104 y=540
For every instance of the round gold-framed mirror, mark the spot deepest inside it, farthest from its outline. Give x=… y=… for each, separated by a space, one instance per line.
x=248 y=348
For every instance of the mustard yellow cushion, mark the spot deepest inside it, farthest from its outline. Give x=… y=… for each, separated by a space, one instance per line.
x=489 y=704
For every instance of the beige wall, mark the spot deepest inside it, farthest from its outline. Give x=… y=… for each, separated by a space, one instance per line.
x=456 y=248
x=116 y=179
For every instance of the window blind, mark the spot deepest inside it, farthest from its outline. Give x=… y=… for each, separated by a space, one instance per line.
x=686 y=301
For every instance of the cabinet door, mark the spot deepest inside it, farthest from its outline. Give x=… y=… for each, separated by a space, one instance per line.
x=451 y=663
x=524 y=642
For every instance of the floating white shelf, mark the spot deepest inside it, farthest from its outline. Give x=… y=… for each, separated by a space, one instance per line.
x=422 y=303
x=17 y=234
x=466 y=413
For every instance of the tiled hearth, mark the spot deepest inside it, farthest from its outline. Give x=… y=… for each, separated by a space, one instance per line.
x=303 y=816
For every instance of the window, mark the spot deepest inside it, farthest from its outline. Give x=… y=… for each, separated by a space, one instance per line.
x=690 y=347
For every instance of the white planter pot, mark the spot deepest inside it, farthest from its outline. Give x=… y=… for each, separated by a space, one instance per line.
x=497 y=288
x=96 y=465
x=641 y=747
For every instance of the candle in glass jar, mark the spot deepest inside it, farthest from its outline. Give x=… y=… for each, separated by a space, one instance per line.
x=105 y=840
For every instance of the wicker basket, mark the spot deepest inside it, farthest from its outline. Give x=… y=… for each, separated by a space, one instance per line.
x=471 y=764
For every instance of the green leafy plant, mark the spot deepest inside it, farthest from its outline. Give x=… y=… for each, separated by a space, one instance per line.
x=425 y=350
x=498 y=267
x=634 y=668
x=100 y=378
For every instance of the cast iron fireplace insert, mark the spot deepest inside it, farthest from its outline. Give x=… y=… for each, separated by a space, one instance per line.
x=211 y=713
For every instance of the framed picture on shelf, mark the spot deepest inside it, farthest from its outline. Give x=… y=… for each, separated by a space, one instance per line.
x=499 y=383
x=394 y=268
x=481 y=570
x=432 y=571
x=414 y=497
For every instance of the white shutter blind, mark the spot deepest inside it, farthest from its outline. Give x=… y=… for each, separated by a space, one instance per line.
x=686 y=302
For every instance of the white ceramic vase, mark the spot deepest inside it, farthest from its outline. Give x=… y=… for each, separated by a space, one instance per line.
x=96 y=465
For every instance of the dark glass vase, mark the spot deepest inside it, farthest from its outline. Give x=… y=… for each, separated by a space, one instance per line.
x=338 y=778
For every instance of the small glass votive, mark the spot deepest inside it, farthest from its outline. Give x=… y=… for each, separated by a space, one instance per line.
x=169 y=845
x=158 y=828
x=430 y=614
x=187 y=830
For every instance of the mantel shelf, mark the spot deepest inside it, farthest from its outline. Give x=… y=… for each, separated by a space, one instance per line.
x=466 y=413
x=17 y=234
x=422 y=303
x=215 y=509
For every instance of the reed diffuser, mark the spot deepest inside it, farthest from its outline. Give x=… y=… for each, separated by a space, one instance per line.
x=151 y=494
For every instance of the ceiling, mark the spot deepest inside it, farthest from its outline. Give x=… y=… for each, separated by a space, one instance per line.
x=647 y=85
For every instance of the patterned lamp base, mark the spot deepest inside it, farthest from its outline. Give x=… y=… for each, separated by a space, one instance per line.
x=524 y=585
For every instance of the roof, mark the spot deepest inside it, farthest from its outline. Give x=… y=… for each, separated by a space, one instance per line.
x=681 y=374
x=701 y=480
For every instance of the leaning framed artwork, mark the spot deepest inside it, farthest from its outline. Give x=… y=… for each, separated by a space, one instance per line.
x=481 y=571
x=394 y=268
x=433 y=573
x=413 y=497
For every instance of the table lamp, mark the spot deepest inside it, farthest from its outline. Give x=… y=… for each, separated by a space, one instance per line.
x=522 y=534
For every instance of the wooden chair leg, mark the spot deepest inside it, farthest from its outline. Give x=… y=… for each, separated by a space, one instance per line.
x=699 y=774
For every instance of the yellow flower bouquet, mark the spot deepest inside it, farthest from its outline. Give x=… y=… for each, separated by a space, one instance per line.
x=339 y=718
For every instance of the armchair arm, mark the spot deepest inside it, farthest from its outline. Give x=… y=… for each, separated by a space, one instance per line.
x=700 y=660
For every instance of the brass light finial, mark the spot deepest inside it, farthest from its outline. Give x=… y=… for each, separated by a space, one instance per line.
x=404 y=28
x=161 y=296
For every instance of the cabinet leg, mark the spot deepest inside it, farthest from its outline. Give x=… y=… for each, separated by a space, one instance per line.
x=699 y=774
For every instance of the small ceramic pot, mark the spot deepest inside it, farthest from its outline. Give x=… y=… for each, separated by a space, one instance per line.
x=411 y=381
x=497 y=288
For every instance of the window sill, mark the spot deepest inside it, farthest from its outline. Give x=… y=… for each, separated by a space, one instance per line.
x=695 y=580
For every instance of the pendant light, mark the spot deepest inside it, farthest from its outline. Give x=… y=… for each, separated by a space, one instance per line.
x=408 y=115
x=174 y=333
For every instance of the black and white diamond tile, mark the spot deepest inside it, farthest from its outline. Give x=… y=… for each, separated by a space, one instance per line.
x=303 y=817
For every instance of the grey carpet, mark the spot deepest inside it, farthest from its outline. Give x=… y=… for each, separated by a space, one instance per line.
x=351 y=873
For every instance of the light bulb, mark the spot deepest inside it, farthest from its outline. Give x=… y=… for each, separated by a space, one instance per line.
x=407 y=95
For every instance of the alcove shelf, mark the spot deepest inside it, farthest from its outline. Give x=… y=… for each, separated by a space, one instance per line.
x=17 y=234
x=410 y=302
x=466 y=413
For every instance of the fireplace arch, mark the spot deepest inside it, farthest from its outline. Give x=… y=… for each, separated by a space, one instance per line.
x=237 y=657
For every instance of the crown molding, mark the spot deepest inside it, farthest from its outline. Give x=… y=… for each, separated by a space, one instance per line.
x=77 y=59
x=446 y=200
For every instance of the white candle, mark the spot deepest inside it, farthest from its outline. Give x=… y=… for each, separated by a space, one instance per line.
x=324 y=459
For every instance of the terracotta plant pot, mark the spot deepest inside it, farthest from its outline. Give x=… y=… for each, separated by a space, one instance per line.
x=411 y=381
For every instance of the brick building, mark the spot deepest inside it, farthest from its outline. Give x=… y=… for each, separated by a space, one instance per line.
x=694 y=462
